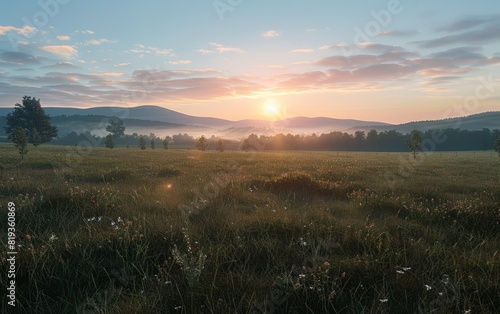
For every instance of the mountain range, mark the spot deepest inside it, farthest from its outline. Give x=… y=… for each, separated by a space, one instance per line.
x=163 y=121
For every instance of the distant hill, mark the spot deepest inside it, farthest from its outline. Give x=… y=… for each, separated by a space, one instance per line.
x=96 y=124
x=147 y=119
x=237 y=128
x=475 y=122
x=152 y=113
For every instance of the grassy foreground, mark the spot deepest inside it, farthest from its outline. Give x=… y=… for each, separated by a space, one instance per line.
x=130 y=231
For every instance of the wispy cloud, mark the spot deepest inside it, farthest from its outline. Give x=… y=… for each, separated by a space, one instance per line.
x=60 y=66
x=63 y=38
x=205 y=51
x=221 y=48
x=88 y=32
x=270 y=34
x=124 y=64
x=18 y=58
x=304 y=50
x=24 y=31
x=96 y=42
x=60 y=50
x=398 y=33
x=143 y=50
x=468 y=31
x=180 y=62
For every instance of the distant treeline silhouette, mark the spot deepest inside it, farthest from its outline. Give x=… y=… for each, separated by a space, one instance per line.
x=373 y=141
x=386 y=141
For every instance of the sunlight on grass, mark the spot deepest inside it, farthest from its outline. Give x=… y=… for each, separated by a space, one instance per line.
x=179 y=231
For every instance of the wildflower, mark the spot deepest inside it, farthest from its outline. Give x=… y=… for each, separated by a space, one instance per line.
x=332 y=294
x=427 y=287
x=326 y=264
x=384 y=300
x=53 y=238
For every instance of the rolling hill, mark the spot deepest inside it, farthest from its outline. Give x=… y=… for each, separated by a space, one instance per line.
x=162 y=121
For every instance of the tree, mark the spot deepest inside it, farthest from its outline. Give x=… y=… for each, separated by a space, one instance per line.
x=36 y=138
x=20 y=141
x=414 y=143
x=245 y=145
x=152 y=143
x=109 y=141
x=32 y=118
x=496 y=145
x=117 y=128
x=142 y=143
x=201 y=144
x=220 y=146
x=165 y=141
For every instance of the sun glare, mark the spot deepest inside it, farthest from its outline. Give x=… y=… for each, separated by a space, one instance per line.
x=272 y=110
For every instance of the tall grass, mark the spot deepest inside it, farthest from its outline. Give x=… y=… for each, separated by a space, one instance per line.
x=130 y=231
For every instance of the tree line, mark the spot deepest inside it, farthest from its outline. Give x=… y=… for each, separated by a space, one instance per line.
x=28 y=124
x=386 y=141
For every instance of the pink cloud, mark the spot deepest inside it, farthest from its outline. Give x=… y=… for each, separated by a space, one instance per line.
x=61 y=50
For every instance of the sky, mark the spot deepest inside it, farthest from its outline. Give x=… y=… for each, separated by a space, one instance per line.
x=392 y=61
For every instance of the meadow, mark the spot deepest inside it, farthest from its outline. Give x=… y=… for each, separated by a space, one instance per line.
x=184 y=231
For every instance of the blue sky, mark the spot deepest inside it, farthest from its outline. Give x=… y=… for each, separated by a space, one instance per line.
x=392 y=61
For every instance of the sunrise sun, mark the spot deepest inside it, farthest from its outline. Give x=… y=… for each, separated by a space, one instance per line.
x=272 y=110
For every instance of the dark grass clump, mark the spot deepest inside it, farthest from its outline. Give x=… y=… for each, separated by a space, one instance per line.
x=305 y=186
x=167 y=173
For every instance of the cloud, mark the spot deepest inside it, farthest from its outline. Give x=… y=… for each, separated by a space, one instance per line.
x=108 y=74
x=221 y=48
x=469 y=22
x=88 y=32
x=461 y=53
x=18 y=58
x=180 y=62
x=96 y=42
x=204 y=51
x=61 y=50
x=302 y=51
x=124 y=64
x=398 y=33
x=366 y=59
x=468 y=31
x=60 y=66
x=143 y=50
x=270 y=34
x=63 y=38
x=24 y=31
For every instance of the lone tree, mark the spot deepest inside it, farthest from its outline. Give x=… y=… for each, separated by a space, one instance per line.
x=414 y=143
x=165 y=142
x=20 y=141
x=201 y=144
x=245 y=145
x=496 y=145
x=220 y=146
x=32 y=118
x=142 y=142
x=152 y=143
x=109 y=141
x=117 y=128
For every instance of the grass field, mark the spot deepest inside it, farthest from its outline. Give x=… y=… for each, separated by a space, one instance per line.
x=130 y=231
